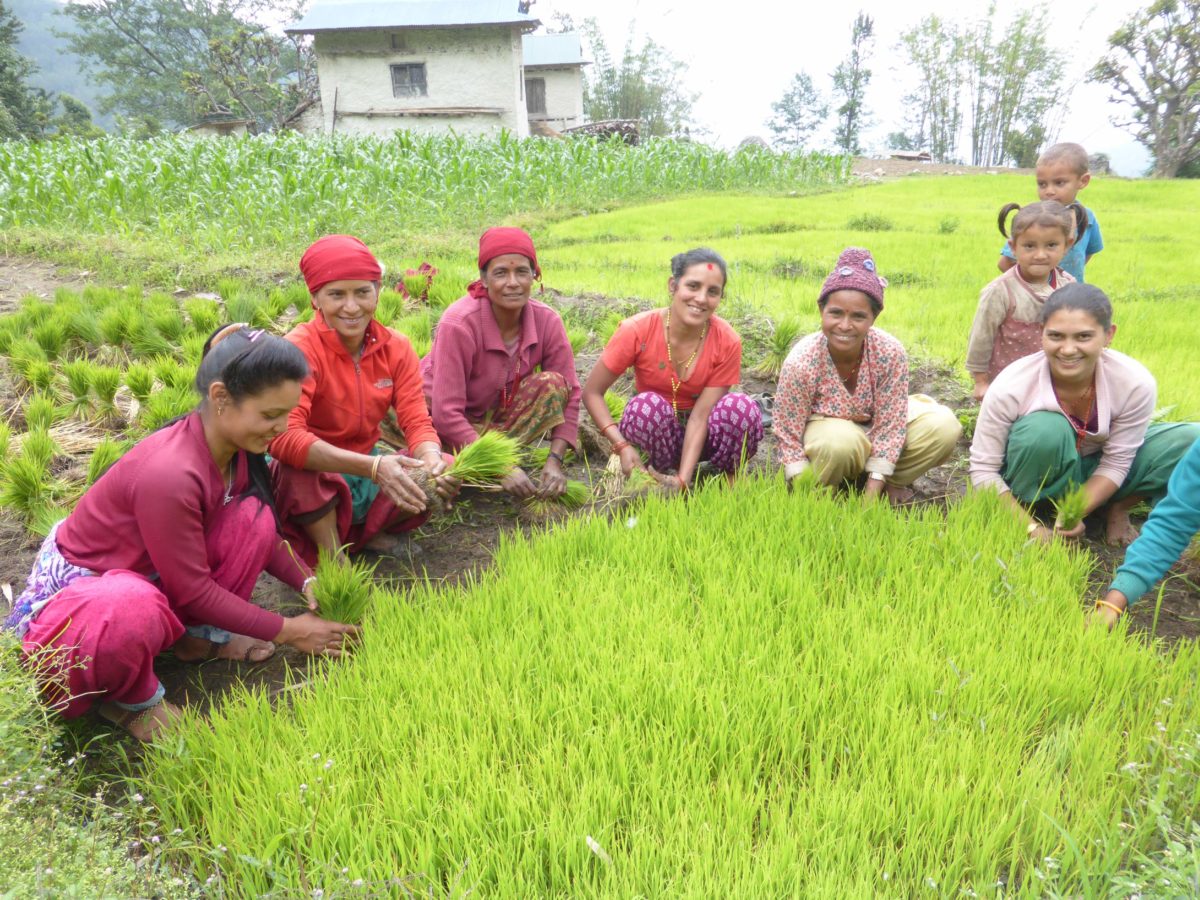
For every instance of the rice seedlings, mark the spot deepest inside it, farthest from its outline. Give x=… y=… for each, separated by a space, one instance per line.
x=34 y=309
x=9 y=329
x=247 y=307
x=39 y=375
x=577 y=338
x=1069 y=509
x=170 y=403
x=608 y=327
x=51 y=335
x=84 y=327
x=785 y=333
x=168 y=323
x=170 y=373
x=279 y=302
x=23 y=485
x=22 y=352
x=416 y=327
x=5 y=439
x=107 y=452
x=344 y=588
x=78 y=374
x=146 y=341
x=191 y=348
x=40 y=412
x=38 y=448
x=140 y=381
x=616 y=404
x=204 y=314
x=106 y=381
x=486 y=460
x=305 y=313
x=114 y=325
x=390 y=307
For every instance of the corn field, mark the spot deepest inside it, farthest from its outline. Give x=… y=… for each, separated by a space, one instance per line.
x=280 y=190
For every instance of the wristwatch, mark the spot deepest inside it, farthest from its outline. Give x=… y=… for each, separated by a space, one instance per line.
x=876 y=476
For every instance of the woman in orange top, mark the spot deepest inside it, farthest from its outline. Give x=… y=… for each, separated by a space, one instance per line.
x=685 y=360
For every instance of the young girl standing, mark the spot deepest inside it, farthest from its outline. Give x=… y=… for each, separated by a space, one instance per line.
x=1008 y=322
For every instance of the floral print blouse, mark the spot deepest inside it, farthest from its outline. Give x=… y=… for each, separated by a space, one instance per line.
x=809 y=385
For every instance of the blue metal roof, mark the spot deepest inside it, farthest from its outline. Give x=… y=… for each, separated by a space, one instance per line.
x=335 y=16
x=551 y=50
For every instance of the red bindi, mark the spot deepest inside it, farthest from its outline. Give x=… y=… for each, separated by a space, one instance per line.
x=710 y=267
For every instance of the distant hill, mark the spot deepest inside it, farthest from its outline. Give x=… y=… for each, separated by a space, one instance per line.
x=58 y=68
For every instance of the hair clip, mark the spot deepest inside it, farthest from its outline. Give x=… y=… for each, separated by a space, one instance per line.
x=845 y=271
x=254 y=335
x=869 y=264
x=226 y=332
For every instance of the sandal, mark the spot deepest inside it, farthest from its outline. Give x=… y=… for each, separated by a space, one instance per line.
x=144 y=724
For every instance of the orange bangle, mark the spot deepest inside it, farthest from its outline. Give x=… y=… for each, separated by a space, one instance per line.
x=1112 y=606
x=619 y=446
x=608 y=426
x=375 y=468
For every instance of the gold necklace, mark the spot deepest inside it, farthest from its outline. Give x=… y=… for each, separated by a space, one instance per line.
x=677 y=382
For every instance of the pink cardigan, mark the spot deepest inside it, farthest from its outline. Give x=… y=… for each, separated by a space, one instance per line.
x=149 y=513
x=469 y=364
x=1125 y=398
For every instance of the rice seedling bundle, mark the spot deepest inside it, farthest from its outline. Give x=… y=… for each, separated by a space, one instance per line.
x=169 y=323
x=106 y=381
x=416 y=327
x=486 y=460
x=38 y=447
x=38 y=374
x=34 y=309
x=107 y=452
x=390 y=307
x=51 y=335
x=163 y=406
x=345 y=590
x=1070 y=507
x=9 y=327
x=249 y=307
x=749 y=694
x=191 y=348
x=577 y=337
x=785 y=333
x=170 y=373
x=84 y=327
x=278 y=302
x=616 y=404
x=23 y=483
x=115 y=325
x=204 y=314
x=145 y=340
x=40 y=412
x=5 y=439
x=140 y=381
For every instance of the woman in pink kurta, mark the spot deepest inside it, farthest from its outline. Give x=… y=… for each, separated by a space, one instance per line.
x=501 y=360
x=164 y=549
x=843 y=404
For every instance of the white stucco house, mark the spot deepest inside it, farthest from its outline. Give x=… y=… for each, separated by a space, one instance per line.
x=554 y=79
x=433 y=65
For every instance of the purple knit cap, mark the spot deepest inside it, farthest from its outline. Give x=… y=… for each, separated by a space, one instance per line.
x=855 y=271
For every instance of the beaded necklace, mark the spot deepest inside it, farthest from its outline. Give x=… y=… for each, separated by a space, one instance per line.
x=677 y=382
x=1079 y=425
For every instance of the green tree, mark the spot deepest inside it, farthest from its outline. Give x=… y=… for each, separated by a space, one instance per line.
x=934 y=107
x=23 y=110
x=176 y=61
x=643 y=85
x=1153 y=67
x=850 y=81
x=75 y=120
x=798 y=113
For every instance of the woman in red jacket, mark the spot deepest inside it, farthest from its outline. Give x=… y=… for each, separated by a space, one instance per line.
x=334 y=487
x=164 y=549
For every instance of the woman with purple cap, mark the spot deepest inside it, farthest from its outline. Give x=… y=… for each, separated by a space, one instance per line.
x=501 y=361
x=843 y=405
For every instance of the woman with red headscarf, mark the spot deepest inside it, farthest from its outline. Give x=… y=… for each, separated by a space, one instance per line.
x=501 y=360
x=334 y=488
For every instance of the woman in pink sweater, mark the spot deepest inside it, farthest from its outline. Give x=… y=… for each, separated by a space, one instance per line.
x=165 y=548
x=501 y=360
x=1078 y=413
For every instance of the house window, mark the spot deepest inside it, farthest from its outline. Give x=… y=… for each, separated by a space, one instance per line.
x=408 y=80
x=535 y=96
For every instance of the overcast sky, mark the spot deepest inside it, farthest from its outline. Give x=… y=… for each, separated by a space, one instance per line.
x=740 y=57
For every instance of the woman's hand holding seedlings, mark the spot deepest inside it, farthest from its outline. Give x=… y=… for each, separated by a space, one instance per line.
x=397 y=484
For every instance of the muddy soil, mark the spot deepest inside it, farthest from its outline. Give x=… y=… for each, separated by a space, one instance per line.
x=463 y=543
x=874 y=169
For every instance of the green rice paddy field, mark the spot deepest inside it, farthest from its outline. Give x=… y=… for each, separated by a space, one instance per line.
x=749 y=693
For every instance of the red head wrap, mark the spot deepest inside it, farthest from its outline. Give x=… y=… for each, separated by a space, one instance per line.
x=338 y=257
x=497 y=242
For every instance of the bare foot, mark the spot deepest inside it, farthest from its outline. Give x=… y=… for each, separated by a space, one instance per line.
x=146 y=724
x=1120 y=531
x=899 y=495
x=399 y=545
x=240 y=647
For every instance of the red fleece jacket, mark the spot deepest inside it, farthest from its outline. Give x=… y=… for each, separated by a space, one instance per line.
x=343 y=401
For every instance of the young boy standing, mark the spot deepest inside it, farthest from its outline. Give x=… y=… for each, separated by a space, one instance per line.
x=1062 y=172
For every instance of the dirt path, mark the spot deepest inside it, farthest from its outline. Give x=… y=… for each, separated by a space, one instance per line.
x=24 y=275
x=464 y=543
x=874 y=169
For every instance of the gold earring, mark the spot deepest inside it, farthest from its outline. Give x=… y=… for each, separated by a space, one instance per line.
x=221 y=410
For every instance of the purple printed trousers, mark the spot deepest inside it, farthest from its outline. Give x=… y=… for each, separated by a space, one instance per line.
x=734 y=423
